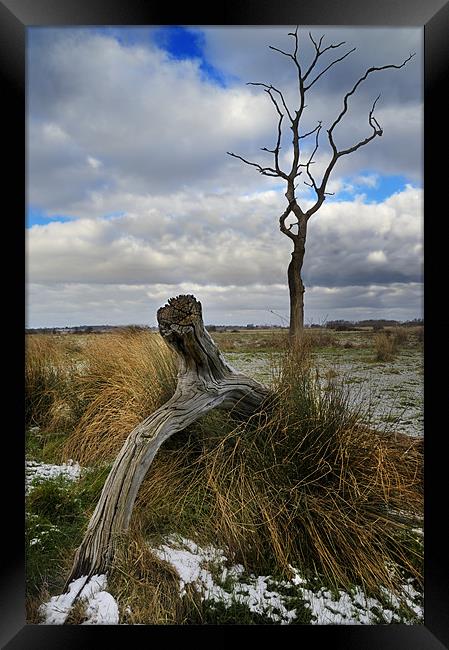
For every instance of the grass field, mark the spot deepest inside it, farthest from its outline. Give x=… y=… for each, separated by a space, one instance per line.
x=308 y=513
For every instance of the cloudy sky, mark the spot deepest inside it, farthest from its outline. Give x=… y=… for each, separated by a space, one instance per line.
x=132 y=198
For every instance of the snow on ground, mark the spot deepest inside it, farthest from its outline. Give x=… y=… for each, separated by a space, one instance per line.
x=189 y=559
x=100 y=607
x=393 y=391
x=356 y=607
x=205 y=569
x=35 y=471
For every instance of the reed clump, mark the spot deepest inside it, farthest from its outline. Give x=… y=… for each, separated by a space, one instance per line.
x=385 y=347
x=303 y=482
x=127 y=375
x=49 y=375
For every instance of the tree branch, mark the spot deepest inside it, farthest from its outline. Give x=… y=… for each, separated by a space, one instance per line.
x=354 y=88
x=276 y=49
x=287 y=229
x=269 y=88
x=327 y=68
x=278 y=142
x=295 y=36
x=377 y=131
x=279 y=102
x=294 y=58
x=319 y=53
x=310 y=132
x=265 y=171
x=310 y=161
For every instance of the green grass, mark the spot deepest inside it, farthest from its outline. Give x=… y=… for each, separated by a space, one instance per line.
x=210 y=612
x=54 y=523
x=44 y=446
x=57 y=512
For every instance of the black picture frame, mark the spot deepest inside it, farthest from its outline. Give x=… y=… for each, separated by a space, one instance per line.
x=433 y=16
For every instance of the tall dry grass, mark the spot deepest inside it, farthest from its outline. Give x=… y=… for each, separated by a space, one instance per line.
x=320 y=338
x=385 y=347
x=126 y=376
x=146 y=587
x=401 y=335
x=48 y=382
x=304 y=483
x=388 y=342
x=95 y=392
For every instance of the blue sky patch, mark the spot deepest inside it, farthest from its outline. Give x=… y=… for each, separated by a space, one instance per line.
x=384 y=187
x=37 y=217
x=184 y=43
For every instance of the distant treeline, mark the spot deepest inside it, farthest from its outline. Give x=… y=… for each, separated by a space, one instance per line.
x=86 y=329
x=338 y=325
x=345 y=325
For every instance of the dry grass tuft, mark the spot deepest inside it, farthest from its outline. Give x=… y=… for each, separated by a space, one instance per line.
x=385 y=347
x=388 y=342
x=146 y=588
x=320 y=338
x=127 y=376
x=48 y=383
x=302 y=483
x=401 y=335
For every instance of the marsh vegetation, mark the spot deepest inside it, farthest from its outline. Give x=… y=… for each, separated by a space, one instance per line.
x=318 y=492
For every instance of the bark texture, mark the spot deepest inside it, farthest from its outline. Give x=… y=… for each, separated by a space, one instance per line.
x=205 y=382
x=296 y=292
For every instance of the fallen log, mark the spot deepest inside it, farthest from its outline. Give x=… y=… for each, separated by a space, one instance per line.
x=205 y=381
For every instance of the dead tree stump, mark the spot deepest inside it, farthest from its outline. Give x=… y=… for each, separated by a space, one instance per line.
x=205 y=382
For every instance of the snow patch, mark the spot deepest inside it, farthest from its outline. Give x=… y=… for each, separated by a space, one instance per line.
x=189 y=560
x=101 y=607
x=42 y=471
x=205 y=569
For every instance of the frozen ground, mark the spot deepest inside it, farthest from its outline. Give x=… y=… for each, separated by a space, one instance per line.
x=208 y=571
x=36 y=472
x=391 y=393
x=100 y=607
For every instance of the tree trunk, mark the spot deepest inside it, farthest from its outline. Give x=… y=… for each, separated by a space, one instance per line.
x=295 y=283
x=205 y=381
x=296 y=289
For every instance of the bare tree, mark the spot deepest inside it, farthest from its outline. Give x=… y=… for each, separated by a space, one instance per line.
x=307 y=77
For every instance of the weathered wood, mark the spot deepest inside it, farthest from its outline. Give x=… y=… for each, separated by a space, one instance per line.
x=205 y=381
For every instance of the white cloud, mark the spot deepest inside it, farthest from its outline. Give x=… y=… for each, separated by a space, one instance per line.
x=377 y=257
x=54 y=133
x=230 y=242
x=370 y=180
x=132 y=144
x=116 y=304
x=93 y=162
x=154 y=123
x=229 y=239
